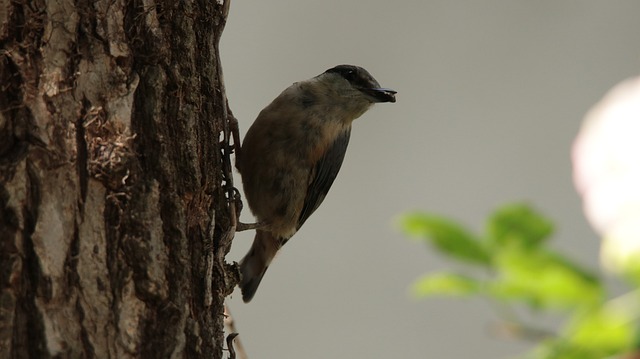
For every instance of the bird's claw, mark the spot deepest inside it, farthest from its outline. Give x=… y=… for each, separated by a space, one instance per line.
x=249 y=226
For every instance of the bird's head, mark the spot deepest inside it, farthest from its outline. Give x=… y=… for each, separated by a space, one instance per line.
x=356 y=82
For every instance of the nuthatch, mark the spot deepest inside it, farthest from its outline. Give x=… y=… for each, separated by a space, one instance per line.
x=292 y=154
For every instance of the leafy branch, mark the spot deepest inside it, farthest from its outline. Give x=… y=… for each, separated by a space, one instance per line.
x=513 y=266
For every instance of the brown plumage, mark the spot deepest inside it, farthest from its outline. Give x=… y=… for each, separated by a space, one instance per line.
x=292 y=154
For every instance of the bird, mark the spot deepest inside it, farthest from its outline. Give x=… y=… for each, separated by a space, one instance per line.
x=291 y=155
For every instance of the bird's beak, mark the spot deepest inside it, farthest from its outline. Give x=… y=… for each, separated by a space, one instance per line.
x=381 y=94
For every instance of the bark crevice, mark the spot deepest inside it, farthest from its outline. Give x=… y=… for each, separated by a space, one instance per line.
x=115 y=220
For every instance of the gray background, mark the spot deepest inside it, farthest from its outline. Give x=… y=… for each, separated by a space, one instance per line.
x=490 y=97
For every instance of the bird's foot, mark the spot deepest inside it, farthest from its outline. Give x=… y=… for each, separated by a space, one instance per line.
x=249 y=226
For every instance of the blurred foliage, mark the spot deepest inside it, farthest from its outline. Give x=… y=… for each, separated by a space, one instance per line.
x=512 y=264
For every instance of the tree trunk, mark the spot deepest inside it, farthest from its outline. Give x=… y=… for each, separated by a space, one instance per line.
x=114 y=170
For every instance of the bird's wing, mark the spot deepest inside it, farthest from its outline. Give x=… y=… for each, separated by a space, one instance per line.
x=323 y=174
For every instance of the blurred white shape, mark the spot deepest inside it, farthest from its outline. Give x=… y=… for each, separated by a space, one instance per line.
x=606 y=164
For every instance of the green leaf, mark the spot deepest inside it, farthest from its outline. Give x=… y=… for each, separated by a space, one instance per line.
x=560 y=349
x=446 y=236
x=518 y=223
x=445 y=284
x=603 y=331
x=543 y=280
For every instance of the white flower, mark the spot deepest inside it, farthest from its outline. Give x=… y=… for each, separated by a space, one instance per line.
x=606 y=163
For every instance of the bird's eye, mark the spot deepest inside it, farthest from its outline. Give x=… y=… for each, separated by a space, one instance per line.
x=349 y=75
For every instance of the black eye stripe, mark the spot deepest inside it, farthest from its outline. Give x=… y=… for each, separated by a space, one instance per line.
x=349 y=75
x=357 y=77
x=345 y=71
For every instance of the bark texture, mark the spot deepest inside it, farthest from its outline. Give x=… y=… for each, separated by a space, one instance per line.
x=114 y=172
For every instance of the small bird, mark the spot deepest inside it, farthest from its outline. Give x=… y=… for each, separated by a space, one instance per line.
x=292 y=153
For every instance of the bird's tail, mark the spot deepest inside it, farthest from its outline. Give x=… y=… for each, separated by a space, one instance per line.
x=255 y=263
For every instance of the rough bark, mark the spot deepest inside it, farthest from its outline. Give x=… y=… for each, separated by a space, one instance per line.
x=114 y=167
